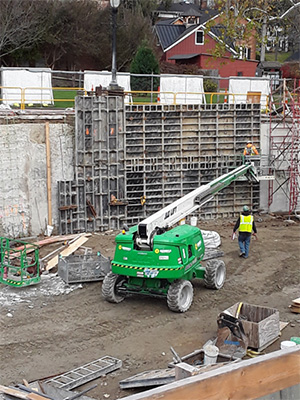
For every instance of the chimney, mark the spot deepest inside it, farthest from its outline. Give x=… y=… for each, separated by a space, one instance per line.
x=203 y=4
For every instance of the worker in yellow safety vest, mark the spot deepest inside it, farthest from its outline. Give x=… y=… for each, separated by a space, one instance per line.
x=245 y=224
x=250 y=149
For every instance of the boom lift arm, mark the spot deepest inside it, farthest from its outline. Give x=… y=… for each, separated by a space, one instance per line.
x=171 y=214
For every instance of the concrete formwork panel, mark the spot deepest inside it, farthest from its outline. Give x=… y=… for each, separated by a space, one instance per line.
x=171 y=150
x=132 y=161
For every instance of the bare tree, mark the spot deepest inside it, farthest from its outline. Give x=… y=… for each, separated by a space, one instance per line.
x=21 y=25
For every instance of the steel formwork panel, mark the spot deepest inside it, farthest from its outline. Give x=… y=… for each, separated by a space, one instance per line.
x=130 y=162
x=187 y=147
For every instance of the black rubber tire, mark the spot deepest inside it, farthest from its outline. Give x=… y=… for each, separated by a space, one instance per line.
x=180 y=296
x=109 y=288
x=215 y=274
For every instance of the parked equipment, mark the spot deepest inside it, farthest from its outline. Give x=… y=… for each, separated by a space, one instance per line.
x=153 y=258
x=19 y=263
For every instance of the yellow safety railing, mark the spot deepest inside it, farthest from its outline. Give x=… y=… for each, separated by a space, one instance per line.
x=33 y=96
x=14 y=97
x=63 y=97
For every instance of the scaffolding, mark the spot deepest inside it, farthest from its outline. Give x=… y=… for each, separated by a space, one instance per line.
x=284 y=135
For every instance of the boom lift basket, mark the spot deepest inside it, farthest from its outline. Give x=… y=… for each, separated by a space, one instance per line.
x=19 y=263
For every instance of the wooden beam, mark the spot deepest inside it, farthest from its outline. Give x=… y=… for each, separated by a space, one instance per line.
x=247 y=379
x=49 y=187
x=13 y=392
x=66 y=252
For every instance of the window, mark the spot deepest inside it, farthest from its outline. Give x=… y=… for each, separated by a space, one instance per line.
x=245 y=53
x=240 y=73
x=190 y=253
x=199 y=37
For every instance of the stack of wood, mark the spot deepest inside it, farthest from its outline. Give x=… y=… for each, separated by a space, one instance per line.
x=70 y=243
x=295 y=306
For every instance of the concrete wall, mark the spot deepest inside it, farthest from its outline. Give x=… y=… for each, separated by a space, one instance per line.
x=23 y=184
x=23 y=194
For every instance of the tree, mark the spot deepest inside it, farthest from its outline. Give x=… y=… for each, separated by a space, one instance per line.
x=71 y=34
x=132 y=29
x=145 y=63
x=22 y=25
x=76 y=34
x=258 y=13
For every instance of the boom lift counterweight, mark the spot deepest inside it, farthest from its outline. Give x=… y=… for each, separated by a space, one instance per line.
x=154 y=258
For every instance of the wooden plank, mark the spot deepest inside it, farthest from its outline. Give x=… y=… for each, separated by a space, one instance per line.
x=36 y=396
x=247 y=379
x=296 y=302
x=66 y=252
x=13 y=392
x=294 y=309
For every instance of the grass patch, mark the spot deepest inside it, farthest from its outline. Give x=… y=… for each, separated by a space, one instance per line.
x=281 y=56
x=64 y=98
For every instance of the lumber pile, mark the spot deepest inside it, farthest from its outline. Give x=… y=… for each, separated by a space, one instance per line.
x=67 y=251
x=21 y=394
x=295 y=306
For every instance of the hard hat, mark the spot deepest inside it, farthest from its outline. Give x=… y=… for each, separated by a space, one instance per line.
x=246 y=208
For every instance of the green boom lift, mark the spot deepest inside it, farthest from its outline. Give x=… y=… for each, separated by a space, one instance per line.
x=154 y=258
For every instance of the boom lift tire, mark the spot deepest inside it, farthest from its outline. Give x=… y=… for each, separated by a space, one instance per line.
x=215 y=274
x=109 y=288
x=180 y=296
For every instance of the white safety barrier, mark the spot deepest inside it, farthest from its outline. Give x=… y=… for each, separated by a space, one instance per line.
x=181 y=89
x=92 y=79
x=246 y=89
x=26 y=85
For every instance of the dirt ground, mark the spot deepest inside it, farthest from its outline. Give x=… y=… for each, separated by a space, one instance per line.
x=46 y=334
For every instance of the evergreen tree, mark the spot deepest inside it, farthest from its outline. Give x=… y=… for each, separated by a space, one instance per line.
x=144 y=62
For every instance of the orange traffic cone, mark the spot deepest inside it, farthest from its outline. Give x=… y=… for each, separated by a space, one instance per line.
x=158 y=94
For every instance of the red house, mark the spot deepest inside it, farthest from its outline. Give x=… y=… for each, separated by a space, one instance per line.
x=182 y=42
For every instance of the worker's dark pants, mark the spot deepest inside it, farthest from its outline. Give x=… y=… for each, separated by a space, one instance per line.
x=244 y=242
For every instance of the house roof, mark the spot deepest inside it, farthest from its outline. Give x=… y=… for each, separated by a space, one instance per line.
x=269 y=65
x=169 y=34
x=184 y=8
x=218 y=30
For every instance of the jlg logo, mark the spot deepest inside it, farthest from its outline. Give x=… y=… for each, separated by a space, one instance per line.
x=171 y=212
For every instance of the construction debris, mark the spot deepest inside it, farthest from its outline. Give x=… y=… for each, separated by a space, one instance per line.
x=258 y=326
x=85 y=373
x=295 y=306
x=83 y=268
x=67 y=251
x=196 y=358
x=42 y=391
x=149 y=378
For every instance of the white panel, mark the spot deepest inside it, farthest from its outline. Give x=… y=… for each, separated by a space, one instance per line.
x=36 y=83
x=181 y=89
x=241 y=86
x=103 y=78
